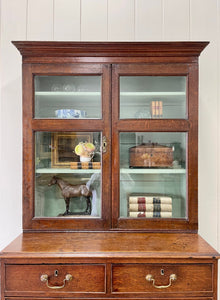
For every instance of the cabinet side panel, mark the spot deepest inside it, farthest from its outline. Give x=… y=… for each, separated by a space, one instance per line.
x=193 y=146
x=28 y=150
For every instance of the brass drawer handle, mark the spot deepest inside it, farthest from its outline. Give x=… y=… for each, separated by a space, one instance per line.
x=149 y=278
x=45 y=278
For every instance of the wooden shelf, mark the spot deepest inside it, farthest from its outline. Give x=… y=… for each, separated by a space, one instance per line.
x=63 y=93
x=151 y=171
x=152 y=93
x=66 y=171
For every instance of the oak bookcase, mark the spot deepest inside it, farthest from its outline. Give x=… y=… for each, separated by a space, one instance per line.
x=124 y=223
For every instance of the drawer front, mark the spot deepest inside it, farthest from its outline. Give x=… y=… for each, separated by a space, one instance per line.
x=144 y=278
x=84 y=278
x=22 y=298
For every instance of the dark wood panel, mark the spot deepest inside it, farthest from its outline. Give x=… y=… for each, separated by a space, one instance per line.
x=67 y=125
x=109 y=60
x=62 y=69
x=131 y=278
x=27 y=278
x=28 y=146
x=151 y=69
x=158 y=298
x=143 y=125
x=109 y=49
x=110 y=244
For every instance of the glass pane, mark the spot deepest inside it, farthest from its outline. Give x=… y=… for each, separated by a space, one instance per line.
x=67 y=174
x=147 y=97
x=153 y=175
x=68 y=97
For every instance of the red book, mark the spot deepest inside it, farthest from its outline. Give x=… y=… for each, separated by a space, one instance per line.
x=150 y=214
x=150 y=207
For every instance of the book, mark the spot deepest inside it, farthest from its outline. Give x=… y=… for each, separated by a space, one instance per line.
x=85 y=165
x=150 y=214
x=149 y=199
x=153 y=109
x=156 y=109
x=160 y=109
x=150 y=207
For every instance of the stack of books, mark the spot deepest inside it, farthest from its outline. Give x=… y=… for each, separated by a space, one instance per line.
x=156 y=109
x=149 y=206
x=85 y=165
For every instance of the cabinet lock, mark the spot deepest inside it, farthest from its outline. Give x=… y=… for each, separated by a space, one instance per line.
x=104 y=144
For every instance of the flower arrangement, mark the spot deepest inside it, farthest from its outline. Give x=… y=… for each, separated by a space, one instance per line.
x=85 y=150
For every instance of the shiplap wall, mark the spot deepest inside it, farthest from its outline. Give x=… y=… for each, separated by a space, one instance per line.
x=124 y=20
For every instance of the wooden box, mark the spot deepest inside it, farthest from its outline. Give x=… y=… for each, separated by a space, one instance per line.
x=150 y=155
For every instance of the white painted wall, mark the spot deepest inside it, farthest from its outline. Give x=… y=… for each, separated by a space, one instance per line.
x=152 y=20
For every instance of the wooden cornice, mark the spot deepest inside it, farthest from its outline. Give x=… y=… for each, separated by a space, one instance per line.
x=109 y=49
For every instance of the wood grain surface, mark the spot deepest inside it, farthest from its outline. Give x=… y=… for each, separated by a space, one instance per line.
x=110 y=244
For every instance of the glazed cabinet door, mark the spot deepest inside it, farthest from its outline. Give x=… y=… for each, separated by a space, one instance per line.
x=154 y=126
x=66 y=146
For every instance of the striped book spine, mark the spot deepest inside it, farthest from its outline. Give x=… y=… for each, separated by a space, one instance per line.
x=149 y=200
x=156 y=109
x=162 y=214
x=141 y=206
x=160 y=109
x=153 y=109
x=85 y=165
x=150 y=207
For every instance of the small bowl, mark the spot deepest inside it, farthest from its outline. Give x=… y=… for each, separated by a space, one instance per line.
x=85 y=159
x=70 y=113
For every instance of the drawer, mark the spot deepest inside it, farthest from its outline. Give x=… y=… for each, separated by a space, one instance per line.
x=131 y=278
x=78 y=278
x=22 y=298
